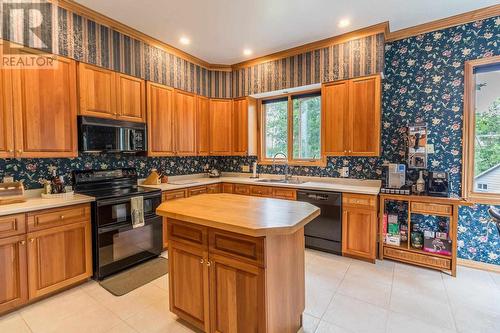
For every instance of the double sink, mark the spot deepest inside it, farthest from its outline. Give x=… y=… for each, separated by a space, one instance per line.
x=281 y=181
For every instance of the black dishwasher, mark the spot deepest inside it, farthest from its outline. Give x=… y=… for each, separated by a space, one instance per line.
x=324 y=233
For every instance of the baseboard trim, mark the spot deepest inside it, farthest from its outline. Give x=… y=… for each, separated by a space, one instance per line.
x=479 y=265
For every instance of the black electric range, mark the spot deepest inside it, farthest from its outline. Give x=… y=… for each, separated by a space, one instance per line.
x=116 y=243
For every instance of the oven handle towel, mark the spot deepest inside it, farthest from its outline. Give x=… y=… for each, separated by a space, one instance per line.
x=137 y=211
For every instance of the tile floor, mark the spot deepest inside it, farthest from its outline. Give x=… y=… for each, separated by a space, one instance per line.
x=342 y=295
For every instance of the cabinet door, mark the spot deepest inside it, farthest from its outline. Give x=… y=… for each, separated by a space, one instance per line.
x=220 y=126
x=236 y=296
x=364 y=110
x=160 y=120
x=189 y=295
x=45 y=109
x=13 y=274
x=202 y=126
x=58 y=257
x=6 y=115
x=185 y=123
x=335 y=99
x=240 y=127
x=168 y=196
x=97 y=88
x=359 y=228
x=130 y=98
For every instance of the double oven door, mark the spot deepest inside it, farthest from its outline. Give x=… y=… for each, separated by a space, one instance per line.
x=117 y=244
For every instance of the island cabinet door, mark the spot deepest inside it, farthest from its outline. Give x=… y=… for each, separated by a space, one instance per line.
x=236 y=296
x=359 y=227
x=189 y=295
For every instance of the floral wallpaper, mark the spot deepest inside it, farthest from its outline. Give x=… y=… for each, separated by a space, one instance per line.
x=423 y=83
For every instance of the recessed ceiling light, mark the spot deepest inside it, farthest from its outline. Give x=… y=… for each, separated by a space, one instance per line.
x=247 y=52
x=344 y=23
x=184 y=40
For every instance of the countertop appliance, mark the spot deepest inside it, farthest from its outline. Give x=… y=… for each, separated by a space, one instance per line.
x=97 y=135
x=116 y=243
x=438 y=184
x=324 y=233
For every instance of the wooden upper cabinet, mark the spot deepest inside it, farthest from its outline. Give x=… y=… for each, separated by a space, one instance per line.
x=13 y=272
x=6 y=115
x=160 y=118
x=202 y=125
x=45 y=108
x=221 y=126
x=351 y=116
x=364 y=103
x=185 y=123
x=240 y=127
x=97 y=87
x=335 y=99
x=130 y=97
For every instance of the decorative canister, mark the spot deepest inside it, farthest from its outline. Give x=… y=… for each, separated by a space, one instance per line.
x=417 y=239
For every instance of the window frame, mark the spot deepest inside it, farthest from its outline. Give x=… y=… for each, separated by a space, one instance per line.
x=262 y=159
x=468 y=190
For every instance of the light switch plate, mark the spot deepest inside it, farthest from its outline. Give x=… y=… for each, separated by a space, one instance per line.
x=245 y=168
x=430 y=148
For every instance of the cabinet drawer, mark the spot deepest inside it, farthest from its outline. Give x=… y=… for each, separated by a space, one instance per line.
x=261 y=191
x=172 y=195
x=196 y=191
x=214 y=188
x=241 y=189
x=419 y=259
x=58 y=216
x=431 y=208
x=285 y=193
x=250 y=249
x=359 y=200
x=12 y=225
x=187 y=233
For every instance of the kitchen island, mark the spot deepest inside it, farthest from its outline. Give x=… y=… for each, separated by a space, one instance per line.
x=236 y=263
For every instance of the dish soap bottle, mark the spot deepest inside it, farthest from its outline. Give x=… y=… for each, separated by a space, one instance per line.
x=421 y=183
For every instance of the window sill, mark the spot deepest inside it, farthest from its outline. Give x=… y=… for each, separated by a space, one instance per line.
x=484 y=198
x=318 y=163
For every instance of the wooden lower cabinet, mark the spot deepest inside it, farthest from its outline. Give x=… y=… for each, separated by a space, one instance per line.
x=189 y=283
x=58 y=257
x=168 y=196
x=359 y=226
x=13 y=273
x=237 y=305
x=222 y=282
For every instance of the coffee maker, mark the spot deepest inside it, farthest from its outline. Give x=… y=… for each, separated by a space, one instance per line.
x=438 y=184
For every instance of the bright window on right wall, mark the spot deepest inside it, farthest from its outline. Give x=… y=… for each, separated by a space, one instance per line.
x=482 y=130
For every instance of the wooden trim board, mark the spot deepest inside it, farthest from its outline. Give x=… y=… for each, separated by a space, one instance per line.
x=479 y=265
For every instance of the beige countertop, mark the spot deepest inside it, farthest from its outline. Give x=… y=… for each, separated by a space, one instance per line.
x=252 y=216
x=35 y=202
x=309 y=183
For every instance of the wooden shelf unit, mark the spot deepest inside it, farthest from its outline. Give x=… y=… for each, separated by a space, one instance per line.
x=425 y=205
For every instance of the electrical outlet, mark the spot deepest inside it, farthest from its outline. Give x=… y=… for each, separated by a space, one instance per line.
x=245 y=168
x=344 y=172
x=8 y=179
x=430 y=148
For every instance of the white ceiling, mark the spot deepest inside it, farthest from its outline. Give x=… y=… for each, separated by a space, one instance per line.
x=220 y=29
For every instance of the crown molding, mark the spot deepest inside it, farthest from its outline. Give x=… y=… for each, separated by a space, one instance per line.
x=467 y=17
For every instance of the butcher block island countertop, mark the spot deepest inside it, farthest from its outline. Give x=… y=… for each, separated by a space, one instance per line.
x=236 y=263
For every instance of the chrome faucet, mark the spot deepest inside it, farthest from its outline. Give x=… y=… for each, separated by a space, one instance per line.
x=287 y=167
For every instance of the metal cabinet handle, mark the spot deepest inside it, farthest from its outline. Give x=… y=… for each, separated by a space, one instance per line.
x=19 y=150
x=22 y=242
x=208 y=263
x=201 y=261
x=11 y=150
x=32 y=240
x=62 y=217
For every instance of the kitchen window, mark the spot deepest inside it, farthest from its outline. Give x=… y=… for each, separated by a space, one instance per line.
x=481 y=175
x=291 y=129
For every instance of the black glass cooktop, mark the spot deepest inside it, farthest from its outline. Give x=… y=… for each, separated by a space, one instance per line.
x=104 y=193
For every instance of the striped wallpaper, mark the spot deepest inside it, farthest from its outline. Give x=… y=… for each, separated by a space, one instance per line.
x=358 y=57
x=85 y=40
x=82 y=39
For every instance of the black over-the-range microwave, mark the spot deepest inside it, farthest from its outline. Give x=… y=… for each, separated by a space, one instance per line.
x=96 y=135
